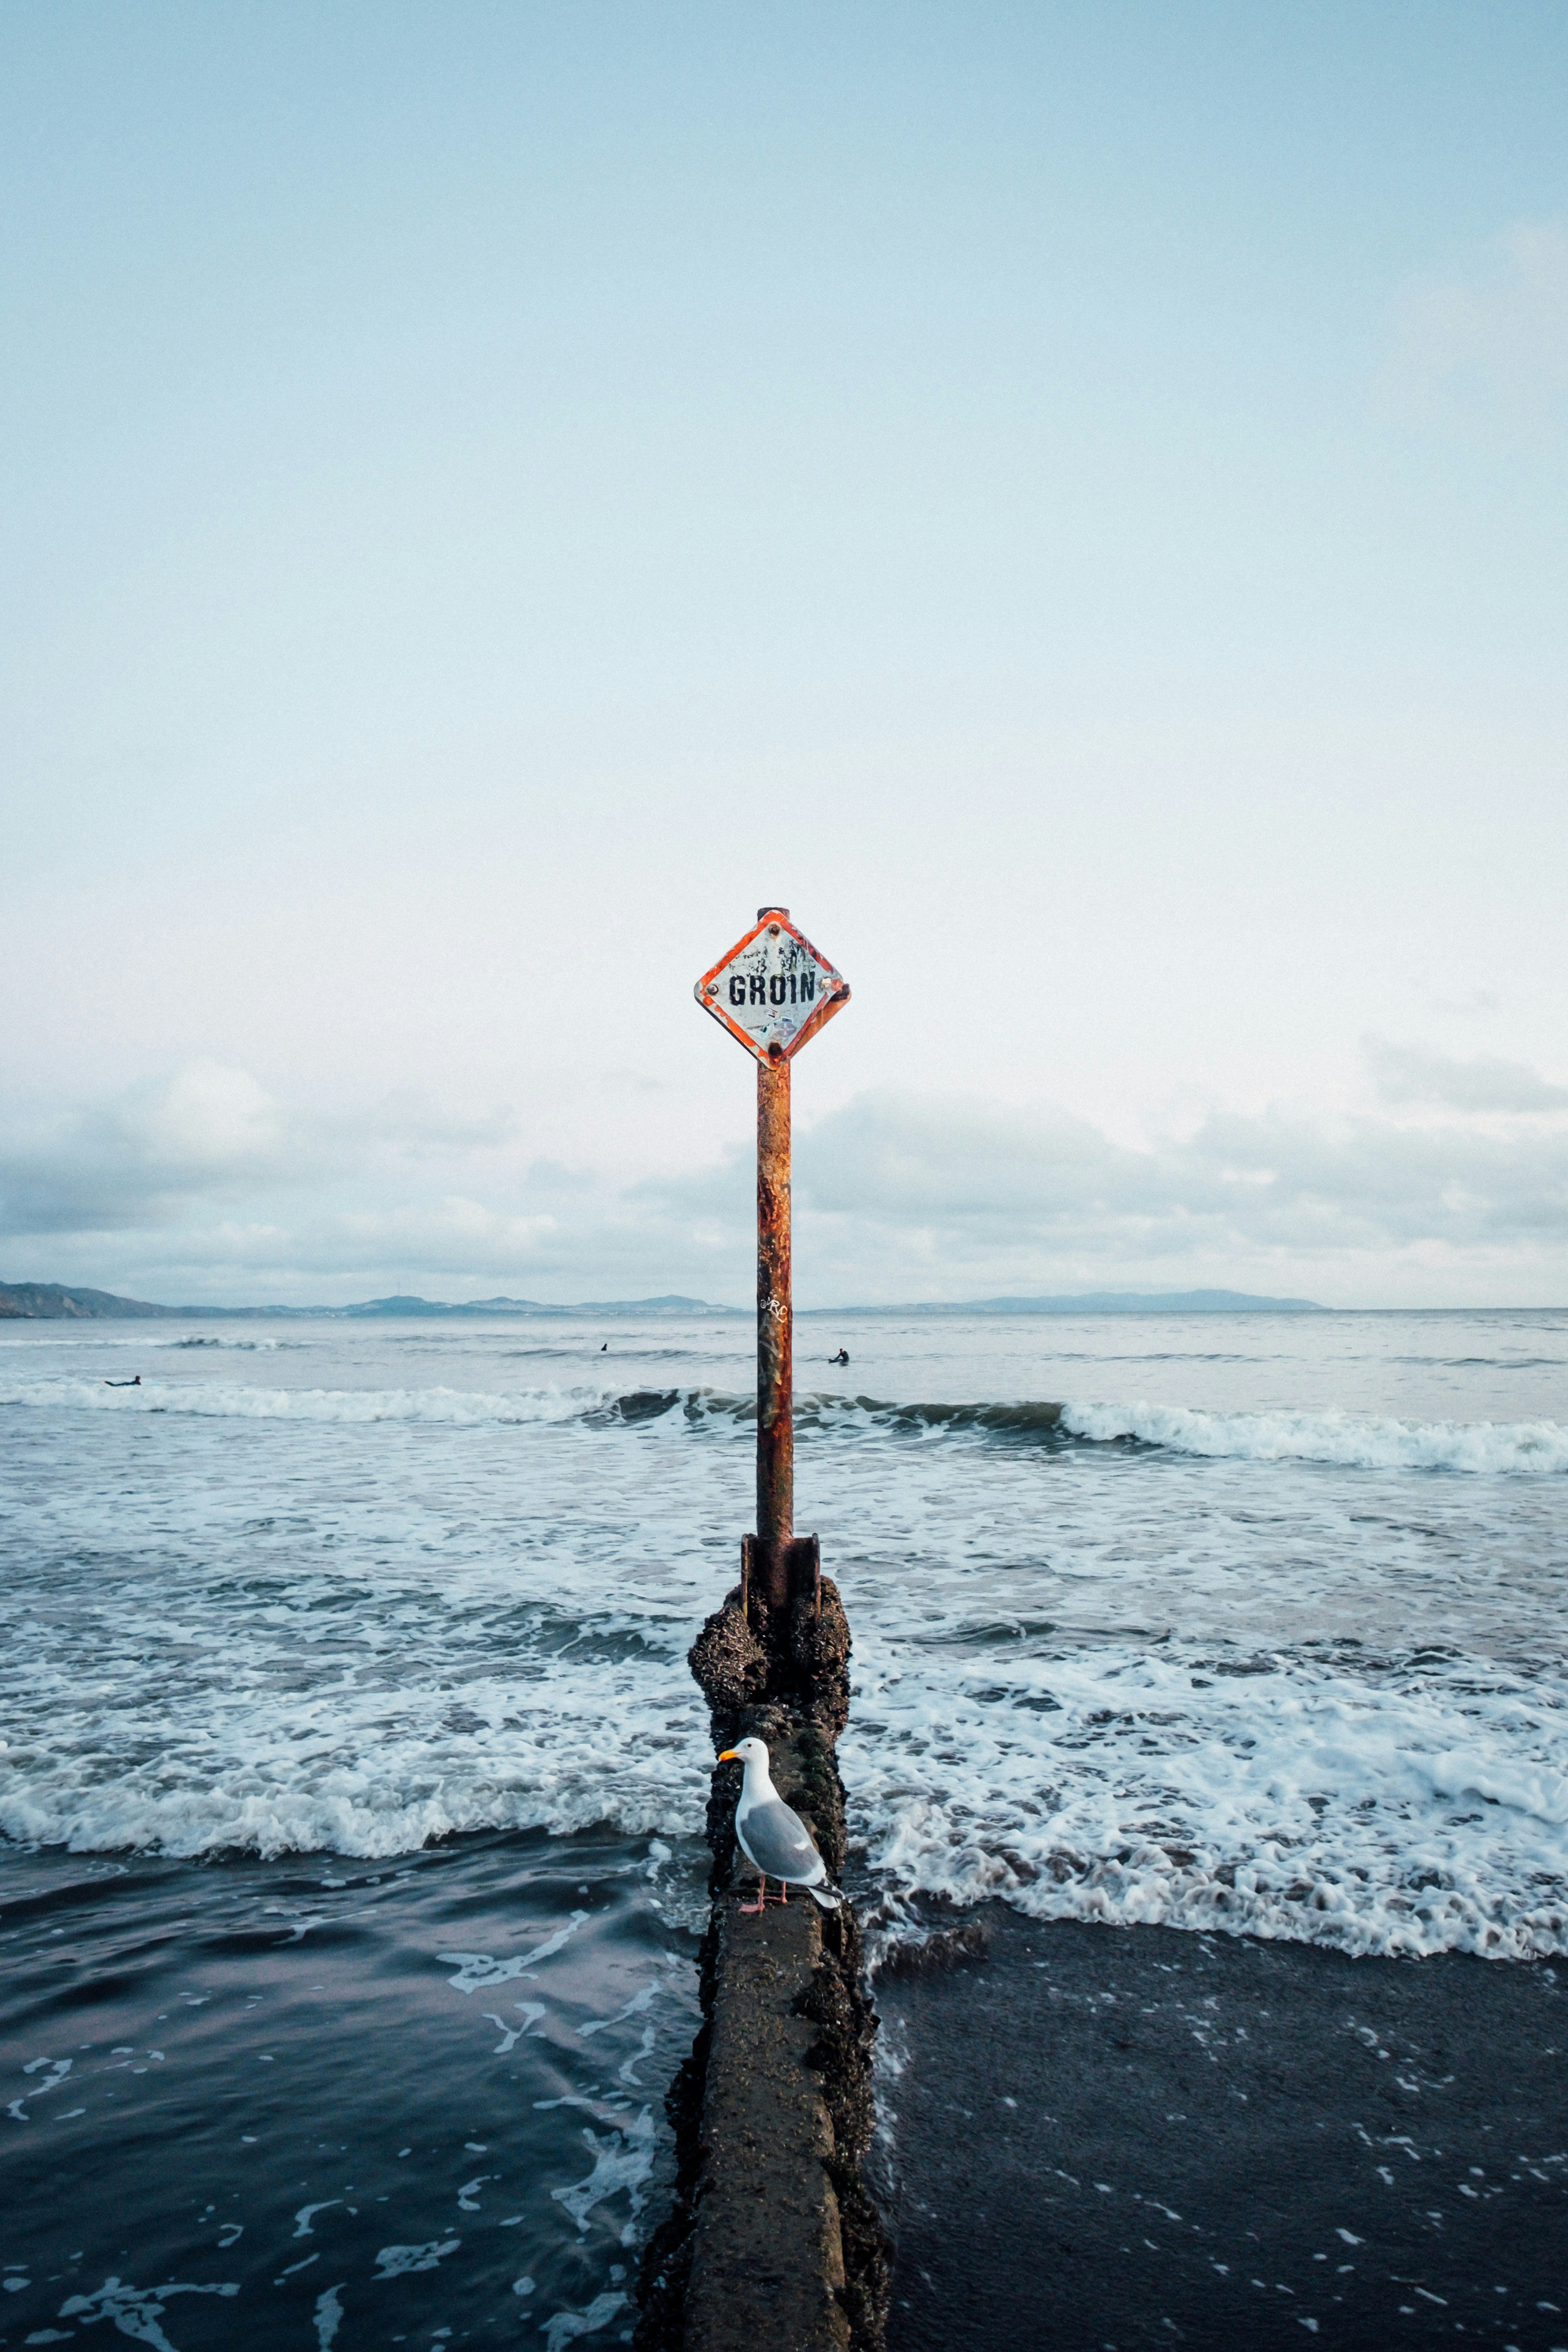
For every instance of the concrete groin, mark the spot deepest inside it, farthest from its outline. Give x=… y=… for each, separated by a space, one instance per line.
x=773 y=2244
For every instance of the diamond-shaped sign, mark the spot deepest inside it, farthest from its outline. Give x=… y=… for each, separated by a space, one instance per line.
x=773 y=990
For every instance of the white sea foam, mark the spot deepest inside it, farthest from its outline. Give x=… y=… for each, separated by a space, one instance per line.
x=1349 y=1441
x=395 y=2262
x=566 y=2326
x=92 y=1336
x=1410 y=1813
x=623 y=2160
x=369 y=1773
x=215 y=1399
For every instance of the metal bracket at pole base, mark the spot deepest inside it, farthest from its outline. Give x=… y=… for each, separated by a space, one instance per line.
x=773 y=1575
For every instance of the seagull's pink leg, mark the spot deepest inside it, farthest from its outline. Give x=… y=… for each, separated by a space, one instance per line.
x=752 y=1910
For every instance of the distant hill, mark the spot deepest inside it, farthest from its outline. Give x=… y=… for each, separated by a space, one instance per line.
x=1110 y=1302
x=52 y=1301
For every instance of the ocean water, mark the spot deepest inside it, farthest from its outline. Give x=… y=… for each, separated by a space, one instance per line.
x=352 y=1764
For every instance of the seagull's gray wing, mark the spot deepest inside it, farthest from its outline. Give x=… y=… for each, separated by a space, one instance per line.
x=778 y=1843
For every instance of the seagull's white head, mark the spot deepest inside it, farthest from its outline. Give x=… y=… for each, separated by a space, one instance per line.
x=750 y=1750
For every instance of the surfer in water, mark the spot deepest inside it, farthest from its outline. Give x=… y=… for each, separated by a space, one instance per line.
x=841 y=1358
x=136 y=1383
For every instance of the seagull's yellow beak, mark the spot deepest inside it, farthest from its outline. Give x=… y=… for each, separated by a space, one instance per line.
x=729 y=1757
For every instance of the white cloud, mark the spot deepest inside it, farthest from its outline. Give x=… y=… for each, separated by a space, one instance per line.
x=1489 y=339
x=1412 y=1074
x=1015 y=1193
x=205 y=1117
x=205 y=1132
x=203 y=1135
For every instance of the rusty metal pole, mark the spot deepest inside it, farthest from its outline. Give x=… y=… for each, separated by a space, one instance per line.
x=775 y=1324
x=775 y=1332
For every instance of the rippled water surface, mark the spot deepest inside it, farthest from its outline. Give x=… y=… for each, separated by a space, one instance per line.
x=1237 y=1621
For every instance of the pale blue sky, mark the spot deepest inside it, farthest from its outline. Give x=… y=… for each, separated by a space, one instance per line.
x=1072 y=500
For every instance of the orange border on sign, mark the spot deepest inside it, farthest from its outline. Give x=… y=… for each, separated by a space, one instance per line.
x=835 y=996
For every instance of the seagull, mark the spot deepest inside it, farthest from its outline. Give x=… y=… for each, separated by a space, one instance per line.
x=775 y=1841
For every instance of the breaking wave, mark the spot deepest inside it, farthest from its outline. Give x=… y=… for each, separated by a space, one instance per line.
x=244 y=1347
x=226 y=1400
x=1348 y=1441
x=1345 y=1441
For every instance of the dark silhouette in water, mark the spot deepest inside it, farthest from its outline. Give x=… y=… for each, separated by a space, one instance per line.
x=841 y=1358
x=604 y=1348
x=136 y=1383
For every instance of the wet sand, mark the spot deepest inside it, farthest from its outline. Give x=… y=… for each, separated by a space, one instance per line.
x=1108 y=2138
